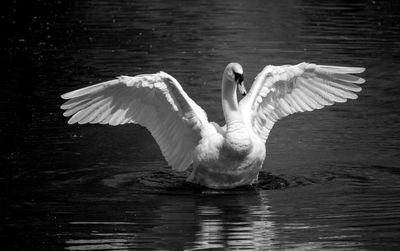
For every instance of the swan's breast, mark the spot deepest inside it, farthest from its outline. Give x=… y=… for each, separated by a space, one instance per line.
x=237 y=143
x=220 y=166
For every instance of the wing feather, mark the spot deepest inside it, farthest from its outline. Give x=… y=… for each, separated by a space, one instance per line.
x=279 y=91
x=341 y=69
x=156 y=101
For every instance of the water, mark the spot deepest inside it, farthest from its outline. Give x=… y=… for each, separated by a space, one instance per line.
x=98 y=187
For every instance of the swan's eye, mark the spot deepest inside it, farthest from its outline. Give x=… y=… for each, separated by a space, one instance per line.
x=238 y=77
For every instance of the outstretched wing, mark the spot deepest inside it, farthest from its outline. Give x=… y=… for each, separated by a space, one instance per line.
x=279 y=91
x=156 y=101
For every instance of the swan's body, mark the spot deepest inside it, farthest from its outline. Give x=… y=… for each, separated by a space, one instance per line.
x=221 y=157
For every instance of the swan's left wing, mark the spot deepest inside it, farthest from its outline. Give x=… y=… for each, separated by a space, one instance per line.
x=156 y=101
x=279 y=91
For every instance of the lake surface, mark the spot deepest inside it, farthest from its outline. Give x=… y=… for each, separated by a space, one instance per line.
x=95 y=187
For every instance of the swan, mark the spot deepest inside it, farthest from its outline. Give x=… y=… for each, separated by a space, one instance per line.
x=219 y=157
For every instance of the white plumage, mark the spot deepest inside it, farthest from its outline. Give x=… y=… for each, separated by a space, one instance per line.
x=221 y=157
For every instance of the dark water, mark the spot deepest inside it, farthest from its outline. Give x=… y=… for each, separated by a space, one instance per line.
x=98 y=187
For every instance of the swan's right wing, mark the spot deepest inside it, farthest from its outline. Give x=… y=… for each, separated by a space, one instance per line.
x=156 y=101
x=279 y=91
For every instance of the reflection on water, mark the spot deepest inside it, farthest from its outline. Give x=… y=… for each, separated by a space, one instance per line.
x=199 y=222
x=236 y=223
x=322 y=216
x=97 y=187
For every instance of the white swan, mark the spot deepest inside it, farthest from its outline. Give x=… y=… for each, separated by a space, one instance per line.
x=221 y=157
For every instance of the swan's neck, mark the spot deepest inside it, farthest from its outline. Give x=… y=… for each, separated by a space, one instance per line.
x=237 y=138
x=233 y=117
x=229 y=102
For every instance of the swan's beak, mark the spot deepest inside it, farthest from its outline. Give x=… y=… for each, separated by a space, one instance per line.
x=239 y=81
x=241 y=88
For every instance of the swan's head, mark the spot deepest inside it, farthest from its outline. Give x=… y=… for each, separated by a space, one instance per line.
x=234 y=73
